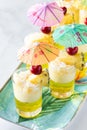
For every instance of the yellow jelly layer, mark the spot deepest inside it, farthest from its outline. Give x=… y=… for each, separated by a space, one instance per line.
x=28 y=107
x=61 y=87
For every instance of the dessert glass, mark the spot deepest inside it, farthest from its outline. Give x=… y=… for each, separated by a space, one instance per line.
x=28 y=96
x=83 y=16
x=62 y=79
x=79 y=61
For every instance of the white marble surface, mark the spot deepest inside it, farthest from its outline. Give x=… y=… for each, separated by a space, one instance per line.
x=14 y=26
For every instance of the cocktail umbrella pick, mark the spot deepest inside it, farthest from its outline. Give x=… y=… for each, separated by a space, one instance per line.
x=71 y=36
x=38 y=54
x=45 y=14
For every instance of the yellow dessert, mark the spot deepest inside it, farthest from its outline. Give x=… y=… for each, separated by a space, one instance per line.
x=72 y=15
x=77 y=60
x=82 y=6
x=62 y=77
x=28 y=96
x=41 y=79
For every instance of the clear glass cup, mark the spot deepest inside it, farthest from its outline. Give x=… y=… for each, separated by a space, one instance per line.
x=28 y=96
x=62 y=79
x=83 y=16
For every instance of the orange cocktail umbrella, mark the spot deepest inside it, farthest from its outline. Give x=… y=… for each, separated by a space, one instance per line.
x=39 y=53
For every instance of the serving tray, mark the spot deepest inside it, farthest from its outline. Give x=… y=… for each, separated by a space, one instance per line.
x=56 y=113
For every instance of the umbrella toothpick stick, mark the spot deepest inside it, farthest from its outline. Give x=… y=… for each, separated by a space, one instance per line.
x=73 y=18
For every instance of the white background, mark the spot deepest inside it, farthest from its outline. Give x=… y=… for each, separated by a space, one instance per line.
x=14 y=26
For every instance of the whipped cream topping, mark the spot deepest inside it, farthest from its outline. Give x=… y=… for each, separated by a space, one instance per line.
x=60 y=72
x=24 y=90
x=32 y=38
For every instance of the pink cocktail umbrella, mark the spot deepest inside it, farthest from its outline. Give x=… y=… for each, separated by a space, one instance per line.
x=39 y=53
x=45 y=14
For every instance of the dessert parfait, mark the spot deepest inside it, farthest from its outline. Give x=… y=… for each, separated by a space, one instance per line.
x=79 y=60
x=28 y=92
x=62 y=78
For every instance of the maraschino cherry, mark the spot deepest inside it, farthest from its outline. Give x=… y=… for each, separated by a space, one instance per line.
x=36 y=69
x=64 y=10
x=46 y=30
x=72 y=50
x=85 y=22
